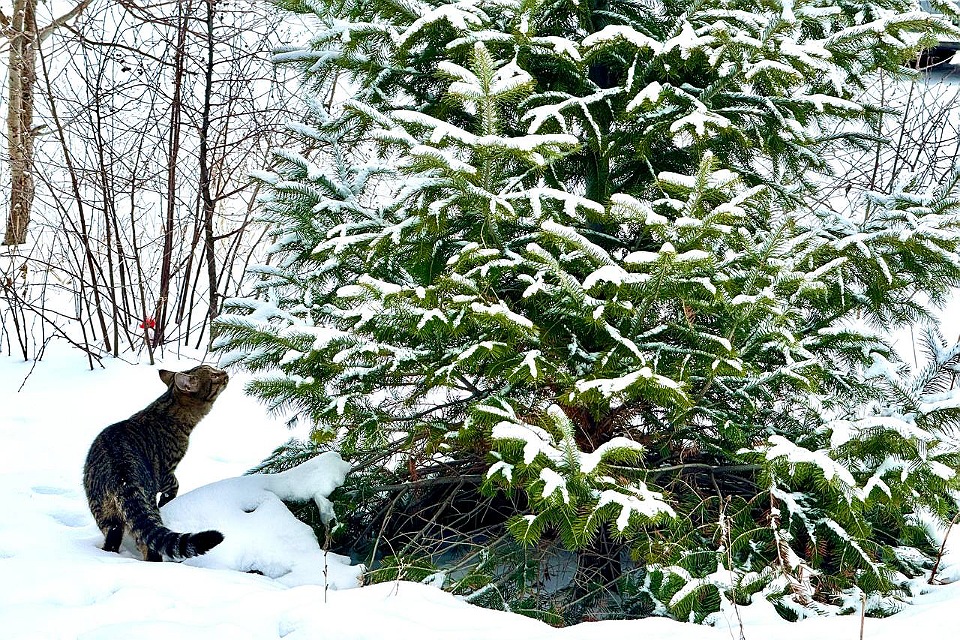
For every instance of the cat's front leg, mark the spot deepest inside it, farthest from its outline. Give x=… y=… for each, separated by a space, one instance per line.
x=169 y=490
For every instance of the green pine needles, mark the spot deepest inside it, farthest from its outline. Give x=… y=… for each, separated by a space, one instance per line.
x=556 y=278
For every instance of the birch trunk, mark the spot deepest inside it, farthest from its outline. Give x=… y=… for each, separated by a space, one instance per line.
x=24 y=36
x=21 y=82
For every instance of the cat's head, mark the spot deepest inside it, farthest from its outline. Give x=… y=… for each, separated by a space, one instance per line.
x=203 y=383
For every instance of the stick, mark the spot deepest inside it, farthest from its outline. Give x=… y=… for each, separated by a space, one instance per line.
x=936 y=565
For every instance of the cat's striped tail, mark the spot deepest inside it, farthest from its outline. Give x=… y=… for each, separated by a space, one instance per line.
x=144 y=521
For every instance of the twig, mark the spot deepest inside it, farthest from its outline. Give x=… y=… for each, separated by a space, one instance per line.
x=41 y=312
x=326 y=563
x=473 y=478
x=863 y=613
x=433 y=520
x=728 y=543
x=383 y=527
x=943 y=545
x=33 y=366
x=693 y=466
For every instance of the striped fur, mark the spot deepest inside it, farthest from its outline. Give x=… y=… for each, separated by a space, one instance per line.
x=133 y=461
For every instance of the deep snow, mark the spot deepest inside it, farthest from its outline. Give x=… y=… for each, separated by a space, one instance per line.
x=55 y=582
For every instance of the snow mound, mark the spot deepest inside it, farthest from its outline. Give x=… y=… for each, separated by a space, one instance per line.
x=260 y=533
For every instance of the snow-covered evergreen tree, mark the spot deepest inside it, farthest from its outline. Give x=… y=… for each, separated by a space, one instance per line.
x=559 y=269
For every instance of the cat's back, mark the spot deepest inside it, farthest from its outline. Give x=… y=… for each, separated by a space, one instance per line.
x=108 y=449
x=122 y=452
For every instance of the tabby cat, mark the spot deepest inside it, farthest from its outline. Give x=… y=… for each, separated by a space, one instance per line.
x=133 y=461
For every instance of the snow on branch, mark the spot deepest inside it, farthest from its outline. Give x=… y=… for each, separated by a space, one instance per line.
x=463 y=16
x=640 y=501
x=780 y=447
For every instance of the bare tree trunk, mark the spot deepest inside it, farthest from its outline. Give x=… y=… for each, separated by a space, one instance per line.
x=166 y=267
x=22 y=78
x=205 y=195
x=23 y=37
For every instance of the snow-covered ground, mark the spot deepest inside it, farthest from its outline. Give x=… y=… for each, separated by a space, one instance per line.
x=55 y=582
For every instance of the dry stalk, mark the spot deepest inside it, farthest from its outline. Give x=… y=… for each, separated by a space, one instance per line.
x=943 y=545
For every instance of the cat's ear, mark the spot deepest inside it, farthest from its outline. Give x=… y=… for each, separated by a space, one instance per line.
x=166 y=376
x=186 y=382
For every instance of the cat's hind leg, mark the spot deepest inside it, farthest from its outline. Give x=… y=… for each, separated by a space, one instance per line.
x=148 y=554
x=112 y=536
x=169 y=490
